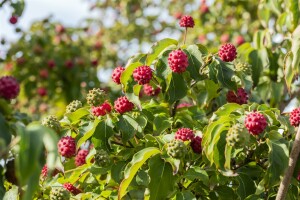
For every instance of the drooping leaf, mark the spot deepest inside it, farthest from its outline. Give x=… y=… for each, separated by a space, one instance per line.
x=102 y=133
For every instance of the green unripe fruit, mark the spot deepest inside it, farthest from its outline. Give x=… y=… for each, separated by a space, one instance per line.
x=73 y=106
x=176 y=149
x=244 y=67
x=102 y=158
x=237 y=136
x=59 y=193
x=96 y=97
x=52 y=122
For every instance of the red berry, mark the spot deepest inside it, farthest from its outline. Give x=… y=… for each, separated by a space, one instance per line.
x=80 y=157
x=298 y=177
x=51 y=63
x=184 y=105
x=150 y=91
x=20 y=61
x=202 y=38
x=224 y=38
x=13 y=19
x=227 y=52
x=240 y=97
x=9 y=87
x=196 y=144
x=142 y=75
x=256 y=123
x=42 y=91
x=122 y=105
x=239 y=40
x=101 y=110
x=44 y=172
x=177 y=15
x=74 y=190
x=178 y=61
x=69 y=64
x=94 y=62
x=295 y=117
x=67 y=146
x=187 y=22
x=98 y=45
x=184 y=134
x=204 y=8
x=44 y=73
x=116 y=75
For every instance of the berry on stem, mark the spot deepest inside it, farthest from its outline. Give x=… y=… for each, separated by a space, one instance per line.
x=256 y=123
x=184 y=134
x=66 y=147
x=73 y=106
x=176 y=149
x=178 y=61
x=240 y=97
x=187 y=21
x=9 y=87
x=101 y=110
x=70 y=187
x=122 y=105
x=80 y=157
x=227 y=52
x=116 y=75
x=13 y=19
x=142 y=75
x=196 y=144
x=295 y=117
x=52 y=122
x=150 y=91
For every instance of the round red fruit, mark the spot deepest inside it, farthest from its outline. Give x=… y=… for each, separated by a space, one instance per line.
x=80 y=157
x=256 y=123
x=150 y=91
x=295 y=117
x=101 y=110
x=187 y=21
x=196 y=144
x=42 y=91
x=240 y=97
x=184 y=134
x=178 y=61
x=122 y=105
x=67 y=146
x=13 y=19
x=9 y=87
x=227 y=52
x=116 y=75
x=70 y=187
x=142 y=75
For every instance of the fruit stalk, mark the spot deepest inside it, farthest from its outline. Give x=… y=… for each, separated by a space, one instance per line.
x=285 y=183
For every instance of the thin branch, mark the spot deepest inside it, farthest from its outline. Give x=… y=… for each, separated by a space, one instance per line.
x=285 y=183
x=3 y=2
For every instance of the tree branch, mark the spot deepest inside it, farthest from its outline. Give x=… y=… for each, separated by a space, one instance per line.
x=285 y=183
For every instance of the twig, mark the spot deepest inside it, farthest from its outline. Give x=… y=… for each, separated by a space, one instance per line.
x=285 y=183
x=174 y=108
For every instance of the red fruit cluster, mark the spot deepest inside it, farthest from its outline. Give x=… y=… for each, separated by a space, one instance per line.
x=67 y=146
x=142 y=75
x=150 y=91
x=204 y=8
x=59 y=29
x=44 y=172
x=44 y=73
x=42 y=91
x=122 y=105
x=227 y=52
x=241 y=96
x=80 y=157
x=196 y=144
x=70 y=187
x=94 y=62
x=184 y=105
x=13 y=19
x=9 y=87
x=116 y=75
x=101 y=110
x=187 y=22
x=184 y=134
x=298 y=177
x=69 y=64
x=295 y=117
x=224 y=38
x=178 y=61
x=51 y=64
x=256 y=123
x=239 y=40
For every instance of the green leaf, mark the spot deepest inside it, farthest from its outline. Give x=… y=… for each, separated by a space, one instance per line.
x=225 y=72
x=88 y=134
x=158 y=48
x=176 y=88
x=246 y=186
x=197 y=173
x=131 y=169
x=195 y=62
x=185 y=195
x=296 y=49
x=161 y=122
x=126 y=77
x=258 y=59
x=78 y=114
x=293 y=7
x=162 y=180
x=104 y=130
x=5 y=133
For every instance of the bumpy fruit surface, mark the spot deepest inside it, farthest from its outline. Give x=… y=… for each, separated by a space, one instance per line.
x=44 y=172
x=150 y=91
x=237 y=136
x=73 y=106
x=59 y=193
x=196 y=144
x=70 y=187
x=96 y=97
x=80 y=157
x=9 y=87
x=67 y=146
x=102 y=158
x=187 y=22
x=122 y=105
x=184 y=134
x=178 y=61
x=240 y=97
x=116 y=75
x=52 y=122
x=244 y=67
x=176 y=149
x=227 y=52
x=295 y=117
x=256 y=123
x=142 y=75
x=101 y=110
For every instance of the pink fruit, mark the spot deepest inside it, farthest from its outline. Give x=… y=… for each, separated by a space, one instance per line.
x=227 y=52
x=178 y=61
x=256 y=123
